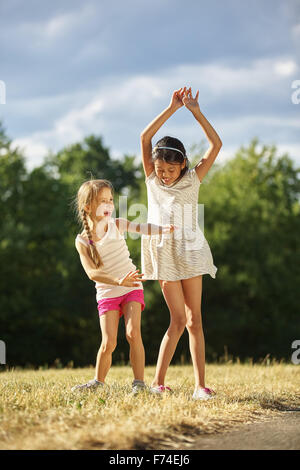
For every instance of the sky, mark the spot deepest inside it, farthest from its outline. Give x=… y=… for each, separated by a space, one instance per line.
x=74 y=68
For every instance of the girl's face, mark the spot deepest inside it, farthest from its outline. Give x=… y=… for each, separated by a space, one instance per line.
x=102 y=206
x=168 y=172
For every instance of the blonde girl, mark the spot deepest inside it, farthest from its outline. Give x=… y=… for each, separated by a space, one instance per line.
x=178 y=262
x=106 y=260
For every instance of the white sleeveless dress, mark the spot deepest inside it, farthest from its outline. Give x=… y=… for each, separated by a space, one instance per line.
x=116 y=260
x=184 y=253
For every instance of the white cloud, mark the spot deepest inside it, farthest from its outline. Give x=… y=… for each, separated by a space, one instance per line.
x=54 y=28
x=256 y=122
x=218 y=79
x=33 y=150
x=292 y=149
x=285 y=68
x=76 y=120
x=296 y=31
x=122 y=107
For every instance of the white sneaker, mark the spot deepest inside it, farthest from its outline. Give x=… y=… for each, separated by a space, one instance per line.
x=160 y=389
x=91 y=385
x=203 y=394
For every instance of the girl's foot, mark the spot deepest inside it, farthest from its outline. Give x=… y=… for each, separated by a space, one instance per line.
x=91 y=385
x=203 y=393
x=138 y=386
x=160 y=389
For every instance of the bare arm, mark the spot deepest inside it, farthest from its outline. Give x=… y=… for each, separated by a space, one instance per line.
x=215 y=142
x=125 y=225
x=154 y=126
x=215 y=145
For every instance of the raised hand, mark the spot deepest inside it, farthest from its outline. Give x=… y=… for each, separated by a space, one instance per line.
x=176 y=100
x=131 y=279
x=190 y=102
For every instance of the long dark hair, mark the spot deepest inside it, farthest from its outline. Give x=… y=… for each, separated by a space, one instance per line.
x=171 y=156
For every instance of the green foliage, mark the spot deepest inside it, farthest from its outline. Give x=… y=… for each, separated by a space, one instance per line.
x=252 y=222
x=48 y=307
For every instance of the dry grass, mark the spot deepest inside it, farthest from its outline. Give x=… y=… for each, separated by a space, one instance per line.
x=38 y=410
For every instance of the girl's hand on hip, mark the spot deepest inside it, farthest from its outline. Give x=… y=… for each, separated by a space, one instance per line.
x=131 y=279
x=176 y=100
x=190 y=102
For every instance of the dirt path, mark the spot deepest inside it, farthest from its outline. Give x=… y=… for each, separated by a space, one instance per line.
x=276 y=434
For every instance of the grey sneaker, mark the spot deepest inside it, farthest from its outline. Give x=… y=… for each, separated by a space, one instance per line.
x=138 y=386
x=91 y=385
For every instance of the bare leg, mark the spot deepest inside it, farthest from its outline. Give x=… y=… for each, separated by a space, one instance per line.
x=173 y=294
x=109 y=323
x=132 y=317
x=192 y=289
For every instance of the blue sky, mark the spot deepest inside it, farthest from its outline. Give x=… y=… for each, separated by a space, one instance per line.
x=73 y=68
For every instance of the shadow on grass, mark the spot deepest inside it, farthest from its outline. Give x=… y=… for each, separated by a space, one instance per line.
x=268 y=402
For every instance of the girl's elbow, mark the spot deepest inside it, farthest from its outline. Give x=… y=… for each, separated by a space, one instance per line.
x=144 y=137
x=91 y=275
x=219 y=143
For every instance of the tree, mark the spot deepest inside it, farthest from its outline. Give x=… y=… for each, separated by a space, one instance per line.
x=48 y=307
x=252 y=223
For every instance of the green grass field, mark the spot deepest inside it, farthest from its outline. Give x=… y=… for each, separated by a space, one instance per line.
x=38 y=410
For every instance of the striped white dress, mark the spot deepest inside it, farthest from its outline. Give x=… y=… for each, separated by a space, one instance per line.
x=184 y=253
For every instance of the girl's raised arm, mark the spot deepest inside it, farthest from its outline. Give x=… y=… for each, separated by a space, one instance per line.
x=154 y=126
x=215 y=142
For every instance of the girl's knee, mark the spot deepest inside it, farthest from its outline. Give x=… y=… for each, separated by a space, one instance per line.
x=133 y=335
x=194 y=323
x=108 y=345
x=178 y=324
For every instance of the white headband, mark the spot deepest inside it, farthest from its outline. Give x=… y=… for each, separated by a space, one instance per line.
x=170 y=148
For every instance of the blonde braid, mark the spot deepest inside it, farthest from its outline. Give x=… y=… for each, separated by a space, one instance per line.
x=93 y=250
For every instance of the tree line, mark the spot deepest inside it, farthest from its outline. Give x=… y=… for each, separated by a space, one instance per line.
x=48 y=307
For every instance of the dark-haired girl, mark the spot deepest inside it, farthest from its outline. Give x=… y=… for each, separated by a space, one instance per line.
x=178 y=260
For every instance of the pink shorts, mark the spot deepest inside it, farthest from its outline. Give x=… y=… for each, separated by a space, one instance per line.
x=117 y=303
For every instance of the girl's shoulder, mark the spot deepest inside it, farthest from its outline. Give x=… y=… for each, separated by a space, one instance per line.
x=190 y=175
x=82 y=238
x=193 y=175
x=150 y=177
